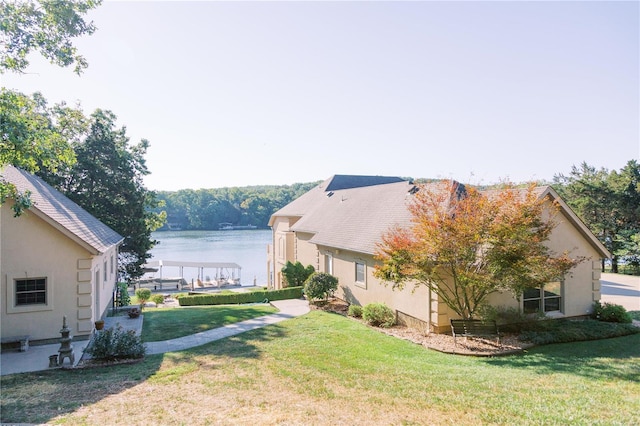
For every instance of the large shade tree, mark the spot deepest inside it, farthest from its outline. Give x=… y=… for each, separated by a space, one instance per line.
x=107 y=181
x=465 y=244
x=29 y=138
x=34 y=137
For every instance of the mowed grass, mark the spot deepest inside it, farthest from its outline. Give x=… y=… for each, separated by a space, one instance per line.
x=171 y=323
x=324 y=369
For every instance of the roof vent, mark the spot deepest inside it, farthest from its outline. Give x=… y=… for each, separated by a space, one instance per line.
x=329 y=194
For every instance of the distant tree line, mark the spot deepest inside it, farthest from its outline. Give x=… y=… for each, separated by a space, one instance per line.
x=206 y=209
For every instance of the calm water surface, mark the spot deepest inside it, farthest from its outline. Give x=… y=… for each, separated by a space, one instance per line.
x=247 y=248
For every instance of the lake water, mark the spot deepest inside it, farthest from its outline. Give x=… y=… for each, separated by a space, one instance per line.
x=247 y=248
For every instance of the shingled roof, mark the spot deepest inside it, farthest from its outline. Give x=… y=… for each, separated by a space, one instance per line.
x=62 y=213
x=353 y=212
x=355 y=217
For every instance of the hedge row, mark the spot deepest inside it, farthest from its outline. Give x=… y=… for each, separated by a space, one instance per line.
x=243 y=297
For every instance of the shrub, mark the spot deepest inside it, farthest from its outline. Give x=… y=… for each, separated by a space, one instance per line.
x=378 y=315
x=295 y=274
x=567 y=330
x=320 y=286
x=143 y=294
x=355 y=311
x=157 y=299
x=231 y=298
x=610 y=312
x=123 y=295
x=115 y=343
x=509 y=319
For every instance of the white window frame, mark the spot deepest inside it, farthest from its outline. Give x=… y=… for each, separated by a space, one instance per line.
x=360 y=282
x=328 y=263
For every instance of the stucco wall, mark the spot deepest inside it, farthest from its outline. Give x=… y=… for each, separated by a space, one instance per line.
x=581 y=285
x=31 y=248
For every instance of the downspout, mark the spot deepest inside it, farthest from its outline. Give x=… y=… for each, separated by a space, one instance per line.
x=429 y=313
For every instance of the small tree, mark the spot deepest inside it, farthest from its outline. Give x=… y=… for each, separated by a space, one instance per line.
x=465 y=245
x=320 y=286
x=295 y=274
x=143 y=294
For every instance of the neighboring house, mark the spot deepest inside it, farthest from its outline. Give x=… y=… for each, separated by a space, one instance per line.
x=56 y=260
x=335 y=227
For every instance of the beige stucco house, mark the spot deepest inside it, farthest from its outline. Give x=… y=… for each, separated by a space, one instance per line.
x=335 y=227
x=56 y=260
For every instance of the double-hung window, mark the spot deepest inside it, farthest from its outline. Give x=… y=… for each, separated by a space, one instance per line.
x=543 y=299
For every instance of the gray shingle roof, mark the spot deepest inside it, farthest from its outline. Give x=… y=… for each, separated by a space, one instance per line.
x=55 y=207
x=354 y=218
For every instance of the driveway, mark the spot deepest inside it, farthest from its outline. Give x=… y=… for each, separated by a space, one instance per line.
x=622 y=290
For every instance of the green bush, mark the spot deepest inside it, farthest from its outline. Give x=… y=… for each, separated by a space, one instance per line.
x=115 y=343
x=258 y=296
x=157 y=299
x=320 y=286
x=610 y=312
x=355 y=311
x=123 y=295
x=378 y=315
x=510 y=319
x=295 y=274
x=143 y=294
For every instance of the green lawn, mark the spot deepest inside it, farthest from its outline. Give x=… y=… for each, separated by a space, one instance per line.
x=322 y=368
x=171 y=323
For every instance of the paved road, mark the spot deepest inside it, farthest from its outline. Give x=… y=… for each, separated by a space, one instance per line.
x=622 y=290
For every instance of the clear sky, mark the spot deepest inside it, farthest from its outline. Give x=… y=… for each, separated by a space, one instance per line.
x=251 y=93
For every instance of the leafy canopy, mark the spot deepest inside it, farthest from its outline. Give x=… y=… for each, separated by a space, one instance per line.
x=465 y=245
x=107 y=181
x=48 y=27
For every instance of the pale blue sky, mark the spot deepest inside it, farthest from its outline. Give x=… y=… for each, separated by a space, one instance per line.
x=249 y=93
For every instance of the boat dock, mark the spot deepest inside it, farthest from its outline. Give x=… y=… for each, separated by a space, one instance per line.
x=219 y=274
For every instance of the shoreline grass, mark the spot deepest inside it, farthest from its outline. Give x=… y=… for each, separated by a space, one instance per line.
x=322 y=368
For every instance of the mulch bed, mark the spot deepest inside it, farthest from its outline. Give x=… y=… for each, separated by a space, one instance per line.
x=439 y=342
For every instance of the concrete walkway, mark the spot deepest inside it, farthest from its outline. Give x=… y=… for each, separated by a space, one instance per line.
x=37 y=357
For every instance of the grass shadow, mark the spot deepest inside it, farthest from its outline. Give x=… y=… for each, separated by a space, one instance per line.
x=40 y=397
x=607 y=359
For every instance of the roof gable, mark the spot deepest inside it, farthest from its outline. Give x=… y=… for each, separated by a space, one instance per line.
x=355 y=217
x=62 y=213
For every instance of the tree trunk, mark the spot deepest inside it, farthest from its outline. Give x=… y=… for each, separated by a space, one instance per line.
x=603 y=263
x=614 y=265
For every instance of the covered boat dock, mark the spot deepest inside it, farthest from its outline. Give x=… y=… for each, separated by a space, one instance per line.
x=219 y=274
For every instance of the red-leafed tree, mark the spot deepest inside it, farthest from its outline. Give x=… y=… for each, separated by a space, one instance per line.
x=465 y=244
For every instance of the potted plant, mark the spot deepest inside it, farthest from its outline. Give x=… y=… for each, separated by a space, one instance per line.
x=134 y=313
x=99 y=324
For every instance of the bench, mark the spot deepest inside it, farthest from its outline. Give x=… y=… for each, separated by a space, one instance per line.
x=474 y=328
x=23 y=340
